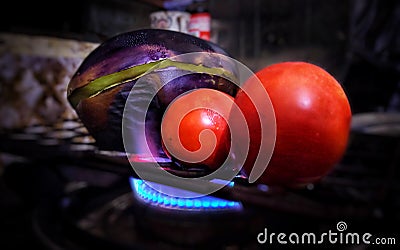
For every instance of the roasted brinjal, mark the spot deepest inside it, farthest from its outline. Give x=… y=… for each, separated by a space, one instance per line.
x=100 y=87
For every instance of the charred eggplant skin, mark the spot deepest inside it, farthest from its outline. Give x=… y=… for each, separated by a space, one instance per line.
x=102 y=114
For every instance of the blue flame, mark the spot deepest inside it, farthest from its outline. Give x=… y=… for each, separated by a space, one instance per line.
x=147 y=194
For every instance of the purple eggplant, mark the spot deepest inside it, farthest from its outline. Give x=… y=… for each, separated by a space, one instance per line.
x=99 y=89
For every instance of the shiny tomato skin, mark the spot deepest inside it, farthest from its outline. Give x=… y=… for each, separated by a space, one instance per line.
x=313 y=118
x=204 y=109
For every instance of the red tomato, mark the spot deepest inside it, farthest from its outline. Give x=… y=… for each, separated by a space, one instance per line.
x=194 y=128
x=312 y=123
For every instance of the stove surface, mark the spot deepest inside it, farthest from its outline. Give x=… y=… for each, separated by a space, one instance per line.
x=60 y=192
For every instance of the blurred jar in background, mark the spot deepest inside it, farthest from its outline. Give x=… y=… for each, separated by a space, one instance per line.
x=200 y=19
x=170 y=20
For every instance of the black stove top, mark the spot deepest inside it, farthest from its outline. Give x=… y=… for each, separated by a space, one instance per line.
x=60 y=192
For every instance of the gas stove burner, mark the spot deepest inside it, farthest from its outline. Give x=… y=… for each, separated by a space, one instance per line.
x=147 y=194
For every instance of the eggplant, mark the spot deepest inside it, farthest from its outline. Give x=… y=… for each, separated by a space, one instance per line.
x=99 y=89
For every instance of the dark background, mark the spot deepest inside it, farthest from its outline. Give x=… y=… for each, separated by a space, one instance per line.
x=357 y=41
